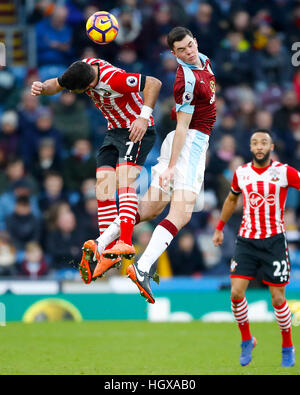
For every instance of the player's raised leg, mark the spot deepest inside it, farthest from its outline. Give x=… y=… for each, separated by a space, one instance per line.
x=239 y=307
x=93 y=264
x=284 y=320
x=150 y=206
x=128 y=206
x=182 y=202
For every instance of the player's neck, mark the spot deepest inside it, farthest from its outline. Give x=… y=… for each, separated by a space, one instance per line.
x=263 y=165
x=96 y=79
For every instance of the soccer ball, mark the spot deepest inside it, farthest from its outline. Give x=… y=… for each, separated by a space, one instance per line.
x=102 y=27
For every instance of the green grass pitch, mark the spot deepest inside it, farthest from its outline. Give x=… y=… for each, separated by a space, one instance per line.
x=139 y=348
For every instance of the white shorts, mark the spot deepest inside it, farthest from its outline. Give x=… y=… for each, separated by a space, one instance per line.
x=190 y=167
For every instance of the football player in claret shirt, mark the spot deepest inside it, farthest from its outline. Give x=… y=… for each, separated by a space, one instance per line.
x=261 y=242
x=129 y=139
x=180 y=171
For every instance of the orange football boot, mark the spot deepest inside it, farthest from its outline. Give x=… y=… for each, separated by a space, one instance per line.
x=89 y=260
x=94 y=265
x=105 y=264
x=120 y=249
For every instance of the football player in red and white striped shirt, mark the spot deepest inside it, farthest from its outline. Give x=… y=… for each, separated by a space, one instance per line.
x=261 y=241
x=129 y=139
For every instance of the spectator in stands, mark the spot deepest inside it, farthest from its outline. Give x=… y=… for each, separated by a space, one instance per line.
x=9 y=90
x=42 y=9
x=289 y=106
x=154 y=32
x=273 y=66
x=70 y=118
x=22 y=224
x=46 y=161
x=53 y=191
x=9 y=135
x=263 y=31
x=128 y=60
x=205 y=29
x=8 y=256
x=293 y=26
x=228 y=125
x=130 y=26
x=168 y=118
x=64 y=243
x=166 y=70
x=87 y=218
x=234 y=61
x=224 y=153
x=34 y=264
x=54 y=39
x=8 y=200
x=80 y=165
x=241 y=22
x=28 y=109
x=217 y=262
x=225 y=178
x=14 y=173
x=43 y=130
x=185 y=256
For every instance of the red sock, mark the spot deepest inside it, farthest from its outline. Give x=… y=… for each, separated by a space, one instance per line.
x=127 y=211
x=240 y=311
x=107 y=213
x=284 y=320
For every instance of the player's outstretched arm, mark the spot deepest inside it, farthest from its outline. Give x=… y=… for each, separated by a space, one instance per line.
x=227 y=211
x=49 y=87
x=151 y=91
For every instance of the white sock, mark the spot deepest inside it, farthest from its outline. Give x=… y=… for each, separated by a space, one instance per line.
x=110 y=234
x=161 y=238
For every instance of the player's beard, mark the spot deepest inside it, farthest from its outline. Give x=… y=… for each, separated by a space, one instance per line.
x=262 y=161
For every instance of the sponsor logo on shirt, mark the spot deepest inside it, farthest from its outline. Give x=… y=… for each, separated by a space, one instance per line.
x=257 y=200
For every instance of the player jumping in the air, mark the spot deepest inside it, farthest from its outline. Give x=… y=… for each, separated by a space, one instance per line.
x=261 y=242
x=182 y=167
x=129 y=139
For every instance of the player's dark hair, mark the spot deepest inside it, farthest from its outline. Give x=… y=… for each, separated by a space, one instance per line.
x=177 y=34
x=267 y=131
x=78 y=76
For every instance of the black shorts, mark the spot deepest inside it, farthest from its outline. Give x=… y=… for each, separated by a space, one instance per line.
x=117 y=149
x=269 y=256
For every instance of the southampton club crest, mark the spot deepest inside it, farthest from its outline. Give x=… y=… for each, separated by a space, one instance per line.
x=274 y=174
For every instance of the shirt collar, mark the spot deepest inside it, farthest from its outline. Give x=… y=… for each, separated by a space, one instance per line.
x=191 y=66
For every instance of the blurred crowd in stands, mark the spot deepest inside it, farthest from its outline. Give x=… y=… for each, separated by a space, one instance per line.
x=47 y=144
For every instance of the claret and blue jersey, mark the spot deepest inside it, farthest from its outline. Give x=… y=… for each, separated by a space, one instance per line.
x=195 y=93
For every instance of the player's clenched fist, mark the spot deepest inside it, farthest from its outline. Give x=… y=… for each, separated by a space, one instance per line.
x=218 y=237
x=37 y=88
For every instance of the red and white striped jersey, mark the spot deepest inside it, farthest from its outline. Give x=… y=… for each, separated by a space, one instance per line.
x=264 y=196
x=117 y=94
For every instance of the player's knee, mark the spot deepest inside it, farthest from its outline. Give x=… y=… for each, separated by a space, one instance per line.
x=105 y=189
x=278 y=299
x=237 y=293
